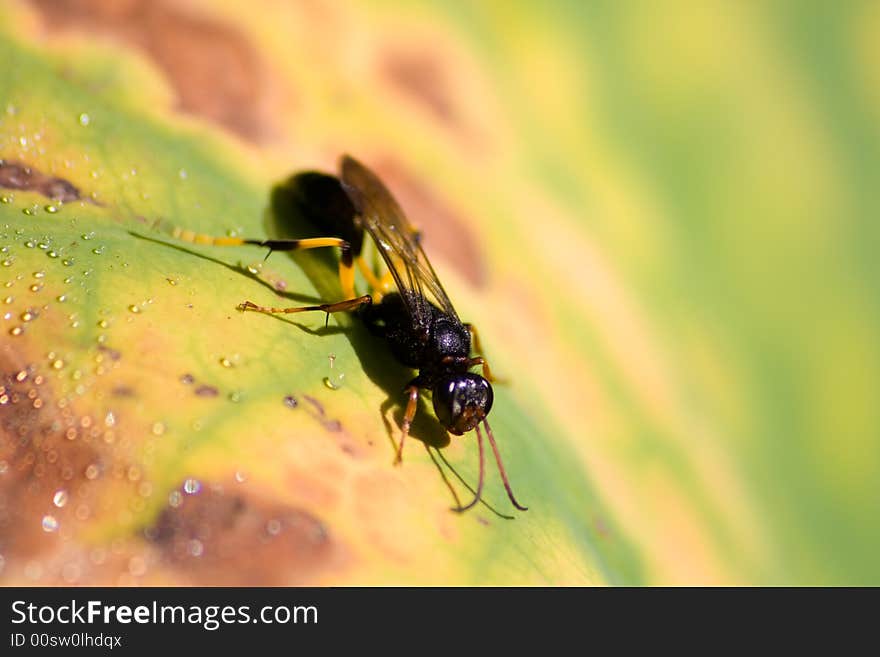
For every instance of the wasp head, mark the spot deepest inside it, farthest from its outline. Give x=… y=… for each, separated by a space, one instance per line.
x=461 y=401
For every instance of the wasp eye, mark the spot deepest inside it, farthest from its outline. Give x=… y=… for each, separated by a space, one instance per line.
x=462 y=401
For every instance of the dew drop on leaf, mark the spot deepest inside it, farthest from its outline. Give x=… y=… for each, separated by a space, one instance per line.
x=60 y=498
x=50 y=523
x=192 y=486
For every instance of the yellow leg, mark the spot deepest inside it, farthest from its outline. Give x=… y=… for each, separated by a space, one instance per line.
x=477 y=347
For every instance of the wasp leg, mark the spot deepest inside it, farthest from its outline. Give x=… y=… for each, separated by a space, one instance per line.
x=346 y=260
x=339 y=306
x=377 y=290
x=480 y=360
x=487 y=372
x=408 y=416
x=471 y=362
x=379 y=286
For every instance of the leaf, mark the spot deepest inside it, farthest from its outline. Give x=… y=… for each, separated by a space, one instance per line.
x=153 y=433
x=660 y=219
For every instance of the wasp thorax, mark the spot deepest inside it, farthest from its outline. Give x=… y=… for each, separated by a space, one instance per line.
x=449 y=338
x=461 y=401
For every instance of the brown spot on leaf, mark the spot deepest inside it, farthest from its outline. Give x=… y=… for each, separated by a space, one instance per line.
x=220 y=539
x=44 y=449
x=207 y=391
x=446 y=233
x=15 y=175
x=213 y=68
x=112 y=354
x=123 y=391
x=422 y=76
x=316 y=410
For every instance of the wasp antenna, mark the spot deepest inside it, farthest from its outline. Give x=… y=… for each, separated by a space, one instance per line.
x=479 y=492
x=268 y=254
x=500 y=466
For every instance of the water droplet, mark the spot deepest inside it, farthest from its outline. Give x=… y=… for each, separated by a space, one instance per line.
x=273 y=527
x=60 y=498
x=52 y=253
x=183 y=174
x=7 y=262
x=255 y=268
x=61 y=298
x=110 y=419
x=84 y=119
x=192 y=486
x=16 y=330
x=51 y=209
x=235 y=396
x=50 y=523
x=103 y=323
x=28 y=315
x=88 y=236
x=240 y=476
x=9 y=299
x=40 y=274
x=57 y=364
x=225 y=362
x=134 y=308
x=36 y=287
x=21 y=375
x=30 y=244
x=92 y=472
x=158 y=428
x=30 y=210
x=172 y=281
x=336 y=382
x=98 y=250
x=196 y=548
x=290 y=401
x=6 y=198
x=175 y=499
x=67 y=262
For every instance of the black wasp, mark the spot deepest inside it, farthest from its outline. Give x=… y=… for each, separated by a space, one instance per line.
x=407 y=306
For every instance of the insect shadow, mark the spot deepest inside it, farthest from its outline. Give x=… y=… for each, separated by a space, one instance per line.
x=282 y=220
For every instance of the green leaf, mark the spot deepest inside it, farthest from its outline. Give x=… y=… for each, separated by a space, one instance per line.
x=149 y=422
x=662 y=220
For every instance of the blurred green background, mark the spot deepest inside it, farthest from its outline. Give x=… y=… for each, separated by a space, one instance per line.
x=676 y=203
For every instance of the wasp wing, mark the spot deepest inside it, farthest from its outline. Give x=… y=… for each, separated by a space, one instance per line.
x=396 y=240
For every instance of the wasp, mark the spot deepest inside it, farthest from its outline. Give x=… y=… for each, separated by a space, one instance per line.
x=407 y=306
